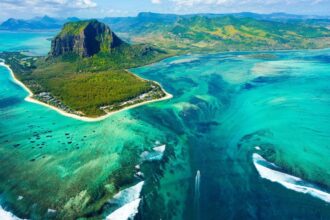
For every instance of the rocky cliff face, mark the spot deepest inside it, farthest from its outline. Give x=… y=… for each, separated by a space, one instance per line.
x=84 y=38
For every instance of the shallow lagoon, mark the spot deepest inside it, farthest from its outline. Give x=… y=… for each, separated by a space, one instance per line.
x=226 y=107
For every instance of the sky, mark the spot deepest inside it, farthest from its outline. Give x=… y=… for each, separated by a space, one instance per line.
x=113 y=8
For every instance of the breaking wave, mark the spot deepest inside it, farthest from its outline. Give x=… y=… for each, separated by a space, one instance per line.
x=127 y=211
x=127 y=201
x=156 y=154
x=297 y=184
x=5 y=215
x=186 y=60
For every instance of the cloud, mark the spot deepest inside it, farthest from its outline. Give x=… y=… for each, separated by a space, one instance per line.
x=29 y=8
x=156 y=1
x=242 y=2
x=201 y=2
x=84 y=4
x=47 y=3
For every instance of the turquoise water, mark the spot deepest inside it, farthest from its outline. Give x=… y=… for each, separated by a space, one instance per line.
x=226 y=108
x=37 y=43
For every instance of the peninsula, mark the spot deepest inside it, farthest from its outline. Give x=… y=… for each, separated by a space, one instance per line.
x=85 y=73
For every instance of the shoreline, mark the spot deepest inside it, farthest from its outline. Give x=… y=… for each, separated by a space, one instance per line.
x=30 y=98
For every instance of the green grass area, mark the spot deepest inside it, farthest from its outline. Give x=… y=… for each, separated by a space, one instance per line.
x=228 y=33
x=124 y=57
x=84 y=92
x=85 y=72
x=85 y=84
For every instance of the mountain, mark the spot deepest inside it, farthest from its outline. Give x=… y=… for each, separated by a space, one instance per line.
x=95 y=40
x=120 y=23
x=138 y=23
x=228 y=33
x=37 y=23
x=148 y=18
x=156 y=17
x=85 y=72
x=14 y=24
x=85 y=38
x=279 y=16
x=72 y=19
x=194 y=33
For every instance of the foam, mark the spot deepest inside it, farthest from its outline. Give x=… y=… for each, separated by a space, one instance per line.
x=51 y=211
x=153 y=156
x=5 y=215
x=181 y=106
x=127 y=211
x=291 y=182
x=187 y=60
x=128 y=201
x=160 y=149
x=157 y=154
x=127 y=195
x=278 y=100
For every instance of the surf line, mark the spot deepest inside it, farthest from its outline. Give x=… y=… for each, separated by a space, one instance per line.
x=297 y=184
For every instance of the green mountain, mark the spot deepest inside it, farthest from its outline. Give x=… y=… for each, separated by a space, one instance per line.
x=85 y=71
x=85 y=38
x=228 y=33
x=95 y=47
x=143 y=18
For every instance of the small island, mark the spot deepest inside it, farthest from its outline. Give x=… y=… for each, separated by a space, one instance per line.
x=85 y=73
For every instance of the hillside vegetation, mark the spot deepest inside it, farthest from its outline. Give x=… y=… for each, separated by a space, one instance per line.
x=85 y=72
x=225 y=33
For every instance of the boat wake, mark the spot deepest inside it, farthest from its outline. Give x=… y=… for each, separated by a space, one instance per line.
x=270 y=172
x=127 y=202
x=197 y=194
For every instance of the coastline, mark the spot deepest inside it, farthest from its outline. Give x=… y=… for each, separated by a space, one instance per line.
x=30 y=98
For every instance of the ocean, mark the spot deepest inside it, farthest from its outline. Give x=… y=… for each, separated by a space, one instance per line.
x=245 y=136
